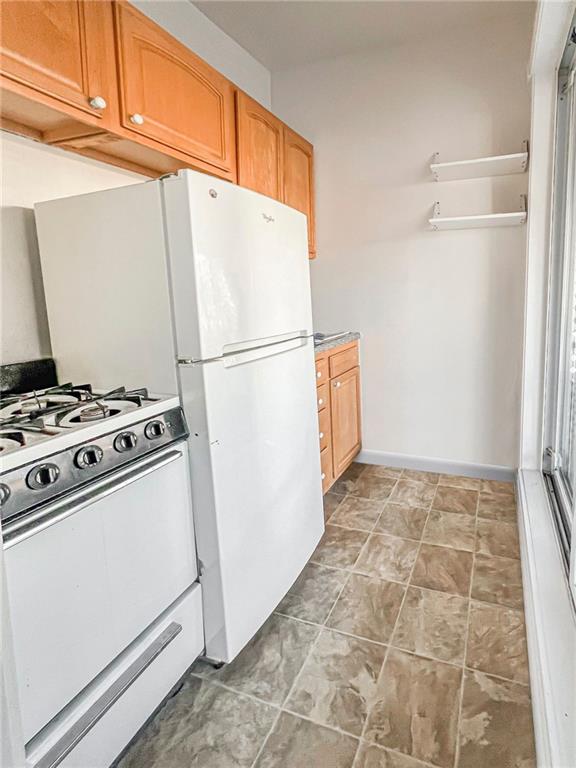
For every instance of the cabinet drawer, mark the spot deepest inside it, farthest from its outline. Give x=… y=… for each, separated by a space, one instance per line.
x=343 y=361
x=324 y=428
x=326 y=465
x=322 y=396
x=322 y=370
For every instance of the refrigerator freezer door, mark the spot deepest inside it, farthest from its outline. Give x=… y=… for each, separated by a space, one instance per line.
x=256 y=484
x=239 y=264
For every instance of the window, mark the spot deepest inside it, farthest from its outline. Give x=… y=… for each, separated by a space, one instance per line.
x=560 y=422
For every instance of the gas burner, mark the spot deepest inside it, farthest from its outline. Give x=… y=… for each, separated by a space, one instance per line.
x=36 y=404
x=11 y=440
x=97 y=411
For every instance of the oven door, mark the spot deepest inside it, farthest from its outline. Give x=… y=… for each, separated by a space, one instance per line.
x=88 y=574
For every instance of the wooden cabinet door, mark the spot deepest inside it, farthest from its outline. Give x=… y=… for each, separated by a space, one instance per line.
x=299 y=180
x=170 y=95
x=260 y=148
x=345 y=413
x=63 y=52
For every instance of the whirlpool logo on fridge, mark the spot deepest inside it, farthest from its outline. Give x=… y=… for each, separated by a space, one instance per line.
x=268 y=219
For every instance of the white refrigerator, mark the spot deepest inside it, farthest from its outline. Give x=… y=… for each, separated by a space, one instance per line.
x=195 y=285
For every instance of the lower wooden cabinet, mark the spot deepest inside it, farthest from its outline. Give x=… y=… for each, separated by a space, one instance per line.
x=338 y=398
x=345 y=412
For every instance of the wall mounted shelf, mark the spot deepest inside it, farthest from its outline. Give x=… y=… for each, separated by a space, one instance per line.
x=514 y=219
x=499 y=165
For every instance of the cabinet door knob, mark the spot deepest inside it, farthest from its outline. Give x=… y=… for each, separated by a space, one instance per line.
x=98 y=102
x=320 y=401
x=318 y=374
x=321 y=435
x=323 y=476
x=137 y=119
x=337 y=384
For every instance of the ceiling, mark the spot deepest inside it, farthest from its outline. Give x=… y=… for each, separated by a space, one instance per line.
x=286 y=33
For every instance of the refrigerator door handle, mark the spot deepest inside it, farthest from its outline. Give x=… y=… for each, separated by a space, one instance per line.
x=248 y=346
x=269 y=350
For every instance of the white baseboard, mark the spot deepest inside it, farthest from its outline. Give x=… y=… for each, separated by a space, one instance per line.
x=445 y=466
x=550 y=627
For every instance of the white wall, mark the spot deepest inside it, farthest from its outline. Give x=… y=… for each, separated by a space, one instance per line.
x=189 y=25
x=32 y=172
x=440 y=312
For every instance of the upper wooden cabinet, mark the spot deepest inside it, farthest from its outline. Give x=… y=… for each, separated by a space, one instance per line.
x=260 y=148
x=61 y=54
x=100 y=78
x=169 y=95
x=299 y=180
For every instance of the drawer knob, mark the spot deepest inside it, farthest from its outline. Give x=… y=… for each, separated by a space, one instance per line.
x=137 y=119
x=320 y=401
x=321 y=435
x=318 y=374
x=323 y=476
x=98 y=102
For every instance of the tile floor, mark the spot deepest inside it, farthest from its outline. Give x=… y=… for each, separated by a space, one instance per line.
x=401 y=644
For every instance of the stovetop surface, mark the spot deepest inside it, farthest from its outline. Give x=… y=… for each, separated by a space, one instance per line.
x=41 y=422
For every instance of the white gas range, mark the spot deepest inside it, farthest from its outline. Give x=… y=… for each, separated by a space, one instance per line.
x=100 y=565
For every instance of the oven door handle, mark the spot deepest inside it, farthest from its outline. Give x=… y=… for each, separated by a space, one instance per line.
x=94 y=713
x=15 y=532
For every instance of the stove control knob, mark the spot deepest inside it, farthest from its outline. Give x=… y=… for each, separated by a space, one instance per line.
x=4 y=494
x=125 y=441
x=88 y=456
x=154 y=429
x=42 y=476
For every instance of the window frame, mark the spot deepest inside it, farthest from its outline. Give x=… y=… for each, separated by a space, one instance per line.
x=561 y=308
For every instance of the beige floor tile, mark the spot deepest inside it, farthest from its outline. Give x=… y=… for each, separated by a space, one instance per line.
x=387 y=557
x=313 y=593
x=359 y=513
x=416 y=709
x=371 y=487
x=378 y=470
x=494 y=537
x=459 y=481
x=461 y=500
x=450 y=529
x=268 y=665
x=497 y=506
x=432 y=624
x=331 y=502
x=339 y=547
x=348 y=479
x=448 y=570
x=402 y=520
x=421 y=477
x=497 y=642
x=368 y=607
x=337 y=683
x=496 y=724
x=373 y=756
x=498 y=580
x=414 y=494
x=498 y=486
x=203 y=725
x=297 y=743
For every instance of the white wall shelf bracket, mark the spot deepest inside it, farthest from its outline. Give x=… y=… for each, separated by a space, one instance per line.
x=480 y=167
x=514 y=219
